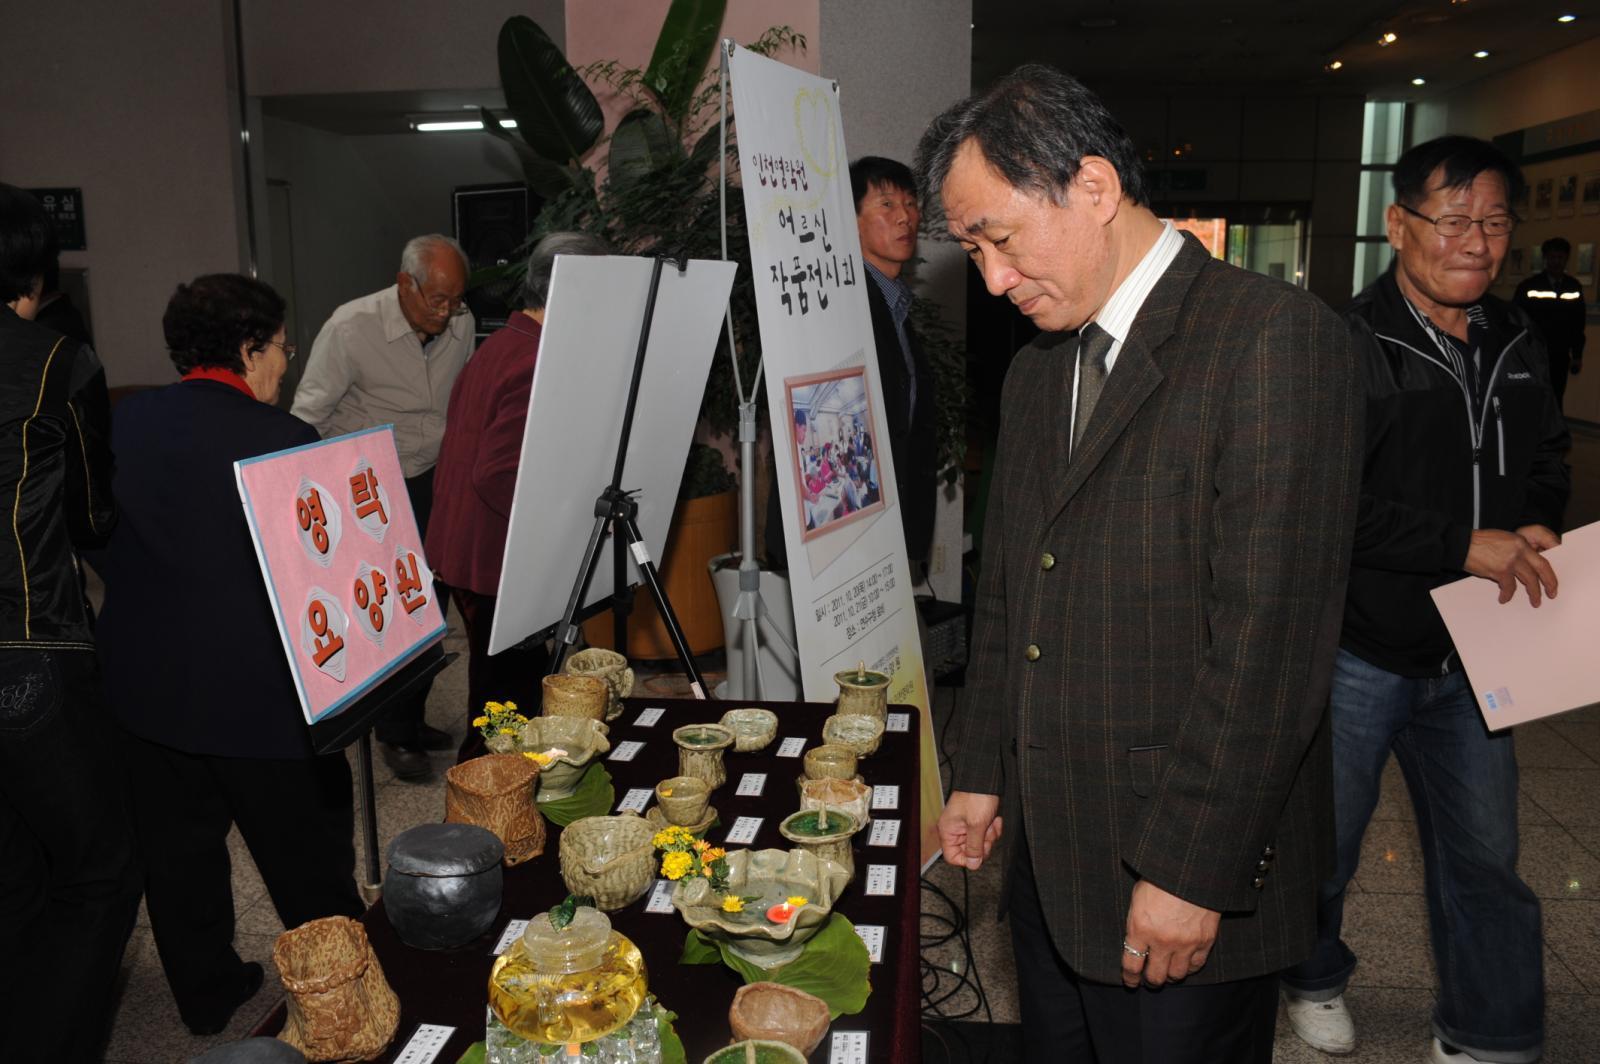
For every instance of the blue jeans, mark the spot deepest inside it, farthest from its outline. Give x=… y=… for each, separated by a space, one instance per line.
x=1482 y=919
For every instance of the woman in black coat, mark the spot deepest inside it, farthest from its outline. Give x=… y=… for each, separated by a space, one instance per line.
x=194 y=666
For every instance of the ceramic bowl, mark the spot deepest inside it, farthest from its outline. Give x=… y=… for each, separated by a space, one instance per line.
x=683 y=799
x=752 y=728
x=849 y=796
x=610 y=858
x=609 y=666
x=773 y=876
x=583 y=739
x=830 y=761
x=757 y=1051
x=575 y=696
x=854 y=731
x=774 y=1012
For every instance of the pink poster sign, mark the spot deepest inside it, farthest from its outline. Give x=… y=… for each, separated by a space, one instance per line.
x=343 y=564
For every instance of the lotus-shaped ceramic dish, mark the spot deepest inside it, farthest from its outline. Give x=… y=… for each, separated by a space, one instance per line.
x=772 y=876
x=752 y=728
x=854 y=731
x=583 y=740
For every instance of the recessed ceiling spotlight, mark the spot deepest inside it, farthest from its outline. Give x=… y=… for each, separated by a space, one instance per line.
x=1387 y=39
x=1567 y=18
x=1480 y=54
x=1337 y=64
x=1419 y=81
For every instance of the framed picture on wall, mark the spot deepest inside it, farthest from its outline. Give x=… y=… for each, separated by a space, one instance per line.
x=1591 y=192
x=1543 y=193
x=1583 y=263
x=1519 y=202
x=1567 y=196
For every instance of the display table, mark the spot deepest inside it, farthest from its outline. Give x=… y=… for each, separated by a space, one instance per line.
x=449 y=987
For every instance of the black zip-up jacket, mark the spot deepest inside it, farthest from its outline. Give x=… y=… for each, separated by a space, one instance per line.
x=55 y=482
x=1438 y=465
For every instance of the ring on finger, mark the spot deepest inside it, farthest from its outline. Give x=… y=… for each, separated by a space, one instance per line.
x=1130 y=951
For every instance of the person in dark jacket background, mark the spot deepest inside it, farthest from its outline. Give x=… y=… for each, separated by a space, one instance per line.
x=69 y=883
x=194 y=662
x=1464 y=474
x=1555 y=303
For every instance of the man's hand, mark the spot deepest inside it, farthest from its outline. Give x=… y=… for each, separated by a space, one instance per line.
x=1512 y=558
x=968 y=828
x=1177 y=935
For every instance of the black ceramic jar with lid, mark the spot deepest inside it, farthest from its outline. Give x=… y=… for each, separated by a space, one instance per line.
x=442 y=889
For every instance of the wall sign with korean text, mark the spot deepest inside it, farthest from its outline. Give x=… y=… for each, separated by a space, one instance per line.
x=343 y=564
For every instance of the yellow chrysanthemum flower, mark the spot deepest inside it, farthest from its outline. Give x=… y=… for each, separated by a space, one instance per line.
x=478 y=722
x=676 y=865
x=493 y=707
x=512 y=706
x=797 y=901
x=666 y=792
x=540 y=759
x=732 y=903
x=713 y=853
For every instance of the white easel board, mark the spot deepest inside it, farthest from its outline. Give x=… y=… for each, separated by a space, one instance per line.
x=580 y=390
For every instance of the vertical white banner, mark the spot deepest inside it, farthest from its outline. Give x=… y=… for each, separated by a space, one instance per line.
x=841 y=508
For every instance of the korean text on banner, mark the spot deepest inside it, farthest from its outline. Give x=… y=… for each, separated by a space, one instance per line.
x=343 y=564
x=847 y=552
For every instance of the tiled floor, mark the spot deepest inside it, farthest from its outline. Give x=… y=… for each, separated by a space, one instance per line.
x=1393 y=988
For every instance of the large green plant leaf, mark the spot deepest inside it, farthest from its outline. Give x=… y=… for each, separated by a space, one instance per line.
x=832 y=966
x=556 y=113
x=688 y=36
x=546 y=178
x=593 y=796
x=641 y=146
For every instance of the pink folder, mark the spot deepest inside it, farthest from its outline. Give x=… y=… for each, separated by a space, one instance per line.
x=1525 y=663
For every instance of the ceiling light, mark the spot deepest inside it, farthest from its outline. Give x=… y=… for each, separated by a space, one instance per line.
x=422 y=125
x=1567 y=18
x=1480 y=54
x=1419 y=81
x=1337 y=64
x=1387 y=39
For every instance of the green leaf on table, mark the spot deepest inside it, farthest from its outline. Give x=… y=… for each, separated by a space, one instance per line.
x=833 y=965
x=593 y=796
x=476 y=1053
x=672 y=1051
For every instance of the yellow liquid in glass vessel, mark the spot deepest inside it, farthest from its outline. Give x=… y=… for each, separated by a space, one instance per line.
x=575 y=1007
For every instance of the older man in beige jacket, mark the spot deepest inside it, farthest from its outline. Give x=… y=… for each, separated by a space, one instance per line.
x=392 y=357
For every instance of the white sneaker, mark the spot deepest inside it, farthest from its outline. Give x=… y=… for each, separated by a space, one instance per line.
x=1326 y=1025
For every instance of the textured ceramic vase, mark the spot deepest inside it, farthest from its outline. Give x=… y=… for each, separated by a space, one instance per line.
x=700 y=748
x=823 y=832
x=863 y=691
x=575 y=696
x=608 y=666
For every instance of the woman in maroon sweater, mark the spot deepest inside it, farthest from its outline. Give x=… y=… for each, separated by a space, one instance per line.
x=477 y=476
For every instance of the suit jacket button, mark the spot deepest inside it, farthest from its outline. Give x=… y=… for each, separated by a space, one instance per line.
x=1032 y=653
x=1047 y=561
x=1261 y=866
x=1268 y=852
x=1258 y=882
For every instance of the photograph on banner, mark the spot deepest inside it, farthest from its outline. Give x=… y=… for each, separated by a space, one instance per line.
x=343 y=564
x=834 y=456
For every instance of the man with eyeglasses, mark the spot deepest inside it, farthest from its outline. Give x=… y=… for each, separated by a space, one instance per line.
x=1464 y=473
x=392 y=357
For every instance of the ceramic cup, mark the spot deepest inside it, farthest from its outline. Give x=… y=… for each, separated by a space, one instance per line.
x=829 y=761
x=575 y=696
x=683 y=799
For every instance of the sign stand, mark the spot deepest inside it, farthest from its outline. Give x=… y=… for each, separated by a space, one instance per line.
x=354 y=725
x=618 y=509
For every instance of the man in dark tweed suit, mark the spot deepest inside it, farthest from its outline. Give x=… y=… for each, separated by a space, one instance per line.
x=1144 y=725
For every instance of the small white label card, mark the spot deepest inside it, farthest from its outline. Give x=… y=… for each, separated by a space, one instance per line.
x=884 y=833
x=897 y=722
x=512 y=932
x=872 y=937
x=886 y=796
x=635 y=800
x=849 y=1047
x=627 y=750
x=751 y=784
x=744 y=829
x=648 y=717
x=660 y=897
x=426 y=1044
x=792 y=747
x=880 y=879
